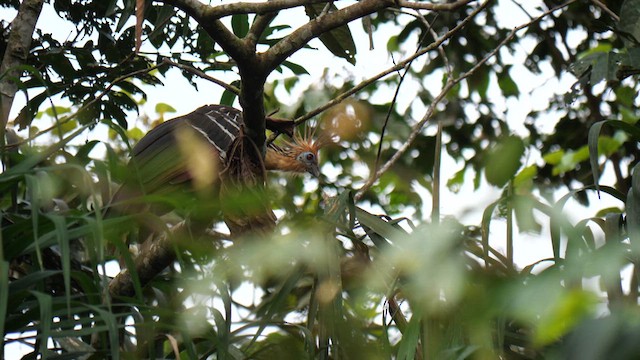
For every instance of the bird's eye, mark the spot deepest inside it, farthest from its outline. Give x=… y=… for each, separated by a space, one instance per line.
x=306 y=157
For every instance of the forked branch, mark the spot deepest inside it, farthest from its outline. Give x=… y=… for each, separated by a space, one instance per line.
x=254 y=67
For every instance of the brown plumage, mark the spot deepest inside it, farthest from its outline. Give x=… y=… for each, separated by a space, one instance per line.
x=159 y=164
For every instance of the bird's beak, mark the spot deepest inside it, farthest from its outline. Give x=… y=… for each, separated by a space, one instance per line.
x=314 y=170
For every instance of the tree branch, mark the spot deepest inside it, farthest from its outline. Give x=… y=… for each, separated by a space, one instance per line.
x=203 y=75
x=241 y=7
x=155 y=255
x=314 y=28
x=22 y=28
x=415 y=130
x=399 y=66
x=207 y=17
x=255 y=67
x=604 y=8
x=431 y=6
x=257 y=28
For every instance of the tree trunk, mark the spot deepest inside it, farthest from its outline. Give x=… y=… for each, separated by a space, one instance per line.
x=22 y=28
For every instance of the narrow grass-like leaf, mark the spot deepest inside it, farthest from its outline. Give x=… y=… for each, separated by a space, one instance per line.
x=222 y=336
x=594 y=134
x=112 y=326
x=44 y=332
x=485 y=227
x=603 y=188
x=28 y=163
x=380 y=226
x=633 y=209
x=65 y=252
x=4 y=297
x=33 y=187
x=275 y=305
x=28 y=281
x=308 y=338
x=410 y=338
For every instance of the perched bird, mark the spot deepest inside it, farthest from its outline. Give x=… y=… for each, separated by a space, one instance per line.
x=162 y=162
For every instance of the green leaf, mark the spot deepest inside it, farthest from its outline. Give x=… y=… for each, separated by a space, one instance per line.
x=594 y=135
x=339 y=41
x=504 y=160
x=600 y=68
x=455 y=182
x=229 y=97
x=65 y=127
x=410 y=338
x=507 y=85
x=633 y=209
x=379 y=226
x=44 y=302
x=523 y=209
x=479 y=81
x=62 y=235
x=162 y=108
x=553 y=158
x=563 y=315
x=297 y=69
x=4 y=294
x=56 y=111
x=630 y=22
x=525 y=175
x=392 y=44
x=240 y=25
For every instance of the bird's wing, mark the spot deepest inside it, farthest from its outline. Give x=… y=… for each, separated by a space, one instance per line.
x=157 y=165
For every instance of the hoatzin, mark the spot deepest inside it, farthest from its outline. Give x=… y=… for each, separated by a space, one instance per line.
x=158 y=165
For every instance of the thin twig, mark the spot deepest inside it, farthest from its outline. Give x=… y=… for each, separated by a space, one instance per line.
x=604 y=8
x=338 y=99
x=418 y=126
x=415 y=130
x=522 y=9
x=437 y=162
x=203 y=75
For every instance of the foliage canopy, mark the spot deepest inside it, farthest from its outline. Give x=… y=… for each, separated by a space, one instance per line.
x=354 y=269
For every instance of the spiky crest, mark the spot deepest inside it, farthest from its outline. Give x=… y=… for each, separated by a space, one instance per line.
x=285 y=157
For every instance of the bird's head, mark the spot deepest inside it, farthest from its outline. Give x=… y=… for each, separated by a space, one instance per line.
x=298 y=155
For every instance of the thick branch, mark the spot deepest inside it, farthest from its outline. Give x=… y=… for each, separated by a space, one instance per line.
x=241 y=7
x=314 y=28
x=254 y=68
x=207 y=18
x=431 y=6
x=22 y=28
x=299 y=38
x=257 y=28
x=155 y=255
x=399 y=66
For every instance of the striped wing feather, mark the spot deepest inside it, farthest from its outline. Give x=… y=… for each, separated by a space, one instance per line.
x=156 y=164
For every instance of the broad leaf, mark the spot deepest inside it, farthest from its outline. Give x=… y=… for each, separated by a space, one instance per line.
x=339 y=41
